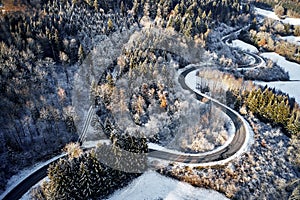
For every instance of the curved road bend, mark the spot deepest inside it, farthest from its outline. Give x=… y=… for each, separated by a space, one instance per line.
x=225 y=153
x=28 y=182
x=18 y=191
x=259 y=61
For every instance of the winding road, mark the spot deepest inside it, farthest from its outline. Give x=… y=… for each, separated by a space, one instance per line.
x=229 y=152
x=225 y=154
x=258 y=61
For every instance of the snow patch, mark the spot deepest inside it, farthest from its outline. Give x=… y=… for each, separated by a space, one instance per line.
x=152 y=185
x=291 y=87
x=291 y=67
x=292 y=39
x=93 y=144
x=244 y=46
x=272 y=15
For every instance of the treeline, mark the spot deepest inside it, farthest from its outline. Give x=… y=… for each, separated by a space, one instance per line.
x=286 y=49
x=91 y=175
x=276 y=27
x=276 y=108
x=192 y=17
x=267 y=104
x=271 y=106
x=59 y=30
x=290 y=8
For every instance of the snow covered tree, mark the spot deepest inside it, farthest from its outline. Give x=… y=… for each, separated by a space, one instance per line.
x=73 y=150
x=110 y=25
x=279 y=10
x=80 y=53
x=96 y=5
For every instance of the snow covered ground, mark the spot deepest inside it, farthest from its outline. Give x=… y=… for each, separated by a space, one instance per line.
x=272 y=15
x=292 y=39
x=152 y=186
x=290 y=87
x=244 y=46
x=291 y=67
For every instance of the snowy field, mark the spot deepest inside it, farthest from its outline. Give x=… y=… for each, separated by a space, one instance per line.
x=292 y=39
x=272 y=15
x=153 y=186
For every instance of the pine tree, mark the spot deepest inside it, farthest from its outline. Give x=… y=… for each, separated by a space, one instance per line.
x=80 y=53
x=110 y=25
x=293 y=125
x=89 y=2
x=177 y=23
x=95 y=4
x=177 y=9
x=59 y=185
x=269 y=111
x=252 y=101
x=188 y=30
x=135 y=8
x=209 y=16
x=283 y=112
x=110 y=80
x=122 y=8
x=147 y=8
x=203 y=16
x=85 y=191
x=96 y=174
x=170 y=22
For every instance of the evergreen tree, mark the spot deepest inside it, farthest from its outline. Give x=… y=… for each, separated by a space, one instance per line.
x=188 y=30
x=96 y=5
x=85 y=182
x=80 y=53
x=203 y=16
x=293 y=124
x=110 y=25
x=122 y=8
x=89 y=2
x=283 y=112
